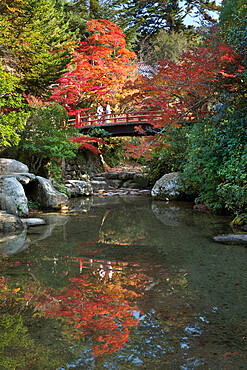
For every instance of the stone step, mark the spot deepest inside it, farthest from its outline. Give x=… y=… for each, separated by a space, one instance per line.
x=99 y=185
x=98 y=178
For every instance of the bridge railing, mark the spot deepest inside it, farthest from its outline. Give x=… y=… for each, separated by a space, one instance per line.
x=117 y=118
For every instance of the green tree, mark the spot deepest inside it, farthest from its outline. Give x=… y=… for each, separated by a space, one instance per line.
x=233 y=22
x=12 y=116
x=78 y=12
x=148 y=17
x=47 y=139
x=36 y=38
x=216 y=159
x=167 y=45
x=76 y=16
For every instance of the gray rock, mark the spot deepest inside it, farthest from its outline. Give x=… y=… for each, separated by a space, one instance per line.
x=115 y=183
x=168 y=187
x=141 y=180
x=10 y=222
x=231 y=238
x=130 y=184
x=12 y=166
x=84 y=177
x=110 y=175
x=99 y=185
x=126 y=175
x=48 y=196
x=79 y=188
x=25 y=178
x=12 y=197
x=98 y=178
x=33 y=221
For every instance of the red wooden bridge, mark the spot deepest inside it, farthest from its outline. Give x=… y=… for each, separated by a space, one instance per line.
x=122 y=124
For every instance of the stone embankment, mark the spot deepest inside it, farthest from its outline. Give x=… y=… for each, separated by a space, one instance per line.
x=120 y=183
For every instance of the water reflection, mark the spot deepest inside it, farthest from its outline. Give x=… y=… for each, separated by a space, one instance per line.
x=129 y=283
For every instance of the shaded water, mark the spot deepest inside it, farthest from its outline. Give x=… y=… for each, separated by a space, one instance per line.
x=124 y=283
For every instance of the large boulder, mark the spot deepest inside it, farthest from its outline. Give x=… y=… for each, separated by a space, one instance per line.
x=12 y=197
x=48 y=196
x=168 y=187
x=12 y=166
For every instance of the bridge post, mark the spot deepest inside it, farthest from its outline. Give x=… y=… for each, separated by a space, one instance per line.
x=78 y=120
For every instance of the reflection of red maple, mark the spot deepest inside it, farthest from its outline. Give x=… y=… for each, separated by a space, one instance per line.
x=89 y=309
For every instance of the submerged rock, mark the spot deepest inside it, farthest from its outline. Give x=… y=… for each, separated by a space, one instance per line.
x=10 y=222
x=13 y=243
x=230 y=238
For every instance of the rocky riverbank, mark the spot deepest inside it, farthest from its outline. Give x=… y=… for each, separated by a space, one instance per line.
x=19 y=189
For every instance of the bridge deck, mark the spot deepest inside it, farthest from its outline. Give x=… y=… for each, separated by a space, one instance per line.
x=121 y=124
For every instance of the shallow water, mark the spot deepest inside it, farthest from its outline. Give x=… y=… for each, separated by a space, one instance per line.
x=124 y=283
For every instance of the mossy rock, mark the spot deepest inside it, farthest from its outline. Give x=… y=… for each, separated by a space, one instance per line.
x=240 y=220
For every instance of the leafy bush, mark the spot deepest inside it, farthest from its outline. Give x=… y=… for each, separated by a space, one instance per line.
x=216 y=167
x=46 y=139
x=99 y=132
x=112 y=151
x=171 y=156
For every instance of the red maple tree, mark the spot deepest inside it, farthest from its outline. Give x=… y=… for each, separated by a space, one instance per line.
x=100 y=66
x=184 y=92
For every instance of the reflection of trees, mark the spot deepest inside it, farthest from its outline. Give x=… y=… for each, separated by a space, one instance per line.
x=27 y=341
x=115 y=231
x=12 y=330
x=79 y=304
x=91 y=306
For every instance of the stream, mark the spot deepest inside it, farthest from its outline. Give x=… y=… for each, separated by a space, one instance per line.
x=124 y=283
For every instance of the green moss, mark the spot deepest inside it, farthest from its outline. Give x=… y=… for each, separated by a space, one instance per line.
x=240 y=220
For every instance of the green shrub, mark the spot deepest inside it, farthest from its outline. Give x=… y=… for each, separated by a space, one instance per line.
x=46 y=139
x=216 y=167
x=112 y=151
x=171 y=156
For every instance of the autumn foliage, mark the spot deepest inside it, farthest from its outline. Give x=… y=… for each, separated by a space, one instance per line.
x=184 y=92
x=85 y=142
x=100 y=66
x=90 y=307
